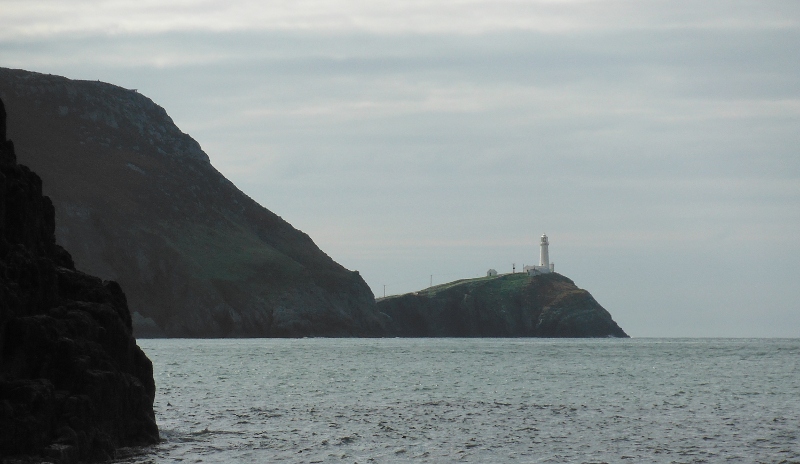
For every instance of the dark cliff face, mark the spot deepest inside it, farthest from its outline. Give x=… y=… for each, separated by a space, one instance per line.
x=512 y=305
x=73 y=383
x=137 y=201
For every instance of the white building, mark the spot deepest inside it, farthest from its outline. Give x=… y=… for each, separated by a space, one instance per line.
x=545 y=266
x=491 y=273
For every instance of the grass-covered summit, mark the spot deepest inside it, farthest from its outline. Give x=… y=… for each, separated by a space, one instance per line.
x=510 y=305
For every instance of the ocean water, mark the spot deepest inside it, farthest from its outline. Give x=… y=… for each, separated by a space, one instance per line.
x=475 y=400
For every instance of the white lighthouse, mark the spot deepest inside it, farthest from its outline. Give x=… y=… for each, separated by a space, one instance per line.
x=544 y=256
x=545 y=266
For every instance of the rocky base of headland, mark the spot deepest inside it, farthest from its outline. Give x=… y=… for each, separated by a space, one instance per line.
x=74 y=386
x=511 y=305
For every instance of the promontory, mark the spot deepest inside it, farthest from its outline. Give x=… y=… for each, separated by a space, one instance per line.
x=510 y=305
x=137 y=201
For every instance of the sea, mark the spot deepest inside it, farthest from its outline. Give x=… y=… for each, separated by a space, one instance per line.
x=324 y=400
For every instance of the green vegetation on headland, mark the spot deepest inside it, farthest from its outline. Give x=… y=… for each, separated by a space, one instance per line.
x=510 y=305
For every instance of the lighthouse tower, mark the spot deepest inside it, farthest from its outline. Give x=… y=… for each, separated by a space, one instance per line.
x=544 y=256
x=545 y=266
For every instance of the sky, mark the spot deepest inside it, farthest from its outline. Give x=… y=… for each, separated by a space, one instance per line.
x=655 y=142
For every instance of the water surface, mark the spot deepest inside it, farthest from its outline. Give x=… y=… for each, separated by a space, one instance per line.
x=475 y=400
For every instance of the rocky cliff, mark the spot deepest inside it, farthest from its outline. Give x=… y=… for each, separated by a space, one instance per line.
x=511 y=305
x=137 y=201
x=73 y=383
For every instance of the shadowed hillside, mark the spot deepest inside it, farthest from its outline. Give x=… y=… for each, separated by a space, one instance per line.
x=138 y=201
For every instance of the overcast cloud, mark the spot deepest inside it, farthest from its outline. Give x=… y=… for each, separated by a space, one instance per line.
x=656 y=142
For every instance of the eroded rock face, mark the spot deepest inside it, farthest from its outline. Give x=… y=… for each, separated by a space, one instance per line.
x=74 y=385
x=137 y=201
x=512 y=305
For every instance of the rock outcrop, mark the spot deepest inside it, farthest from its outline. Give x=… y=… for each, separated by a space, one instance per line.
x=137 y=201
x=73 y=383
x=511 y=305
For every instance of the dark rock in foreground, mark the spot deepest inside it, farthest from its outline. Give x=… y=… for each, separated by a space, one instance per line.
x=511 y=305
x=137 y=201
x=73 y=383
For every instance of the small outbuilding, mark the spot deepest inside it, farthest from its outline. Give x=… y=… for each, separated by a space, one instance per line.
x=491 y=273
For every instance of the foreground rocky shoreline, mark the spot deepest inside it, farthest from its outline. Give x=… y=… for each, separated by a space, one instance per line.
x=74 y=385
